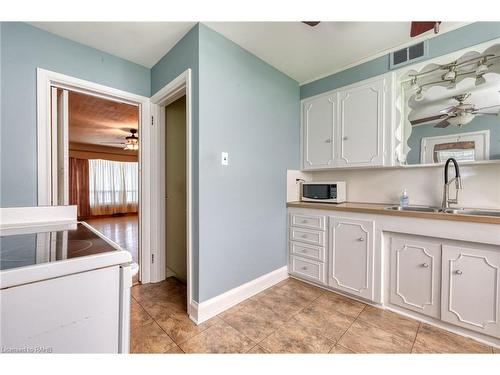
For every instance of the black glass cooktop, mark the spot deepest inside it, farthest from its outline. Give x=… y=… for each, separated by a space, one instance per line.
x=26 y=249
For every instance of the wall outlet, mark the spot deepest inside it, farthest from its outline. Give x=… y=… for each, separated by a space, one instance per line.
x=224 y=158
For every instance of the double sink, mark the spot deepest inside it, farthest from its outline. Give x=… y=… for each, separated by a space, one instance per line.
x=453 y=211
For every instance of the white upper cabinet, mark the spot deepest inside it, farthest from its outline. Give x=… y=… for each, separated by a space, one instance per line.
x=471 y=289
x=349 y=127
x=360 y=130
x=318 y=127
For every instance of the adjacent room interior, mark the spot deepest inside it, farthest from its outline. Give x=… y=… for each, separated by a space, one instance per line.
x=103 y=167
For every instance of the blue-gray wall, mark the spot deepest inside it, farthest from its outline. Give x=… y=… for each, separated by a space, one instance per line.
x=23 y=49
x=463 y=37
x=245 y=107
x=250 y=110
x=484 y=122
x=185 y=55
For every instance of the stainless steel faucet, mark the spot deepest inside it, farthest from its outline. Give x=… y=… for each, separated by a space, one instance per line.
x=458 y=184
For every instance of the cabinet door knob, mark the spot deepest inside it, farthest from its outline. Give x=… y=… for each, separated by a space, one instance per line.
x=304 y=268
x=328 y=140
x=304 y=236
x=361 y=239
x=458 y=272
x=304 y=221
x=425 y=265
x=304 y=250
x=345 y=138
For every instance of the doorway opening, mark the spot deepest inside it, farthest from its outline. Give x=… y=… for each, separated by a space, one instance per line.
x=97 y=163
x=90 y=155
x=175 y=190
x=171 y=110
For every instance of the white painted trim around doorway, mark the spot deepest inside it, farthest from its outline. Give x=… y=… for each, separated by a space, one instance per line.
x=172 y=91
x=47 y=79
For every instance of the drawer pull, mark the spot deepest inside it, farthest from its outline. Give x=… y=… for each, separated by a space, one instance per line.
x=304 y=236
x=361 y=239
x=425 y=265
x=458 y=272
x=304 y=268
x=304 y=221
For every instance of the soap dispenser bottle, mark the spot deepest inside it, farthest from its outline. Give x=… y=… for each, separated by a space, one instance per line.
x=404 y=200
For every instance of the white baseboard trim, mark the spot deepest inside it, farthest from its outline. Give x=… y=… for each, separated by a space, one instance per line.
x=170 y=273
x=201 y=312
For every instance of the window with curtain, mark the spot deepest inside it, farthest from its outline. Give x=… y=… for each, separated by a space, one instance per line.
x=113 y=186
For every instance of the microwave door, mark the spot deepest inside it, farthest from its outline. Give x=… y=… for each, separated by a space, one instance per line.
x=318 y=192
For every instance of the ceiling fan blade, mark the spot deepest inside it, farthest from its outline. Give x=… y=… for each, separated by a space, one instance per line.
x=428 y=119
x=448 y=110
x=311 y=23
x=443 y=124
x=491 y=106
x=420 y=27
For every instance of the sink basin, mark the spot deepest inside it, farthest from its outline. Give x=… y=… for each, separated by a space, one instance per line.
x=472 y=211
x=452 y=211
x=414 y=208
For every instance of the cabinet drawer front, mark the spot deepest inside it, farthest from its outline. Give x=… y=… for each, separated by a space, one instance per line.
x=307 y=268
x=308 y=221
x=307 y=251
x=416 y=275
x=309 y=236
x=471 y=289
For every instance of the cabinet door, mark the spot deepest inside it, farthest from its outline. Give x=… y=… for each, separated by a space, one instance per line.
x=361 y=125
x=471 y=286
x=319 y=116
x=416 y=275
x=351 y=256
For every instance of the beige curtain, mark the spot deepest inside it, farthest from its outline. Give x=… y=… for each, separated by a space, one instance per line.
x=114 y=187
x=79 y=186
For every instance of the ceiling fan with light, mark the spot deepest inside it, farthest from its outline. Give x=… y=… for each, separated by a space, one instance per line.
x=131 y=141
x=457 y=115
x=417 y=27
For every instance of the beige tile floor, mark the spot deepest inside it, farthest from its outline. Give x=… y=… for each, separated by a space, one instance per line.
x=290 y=317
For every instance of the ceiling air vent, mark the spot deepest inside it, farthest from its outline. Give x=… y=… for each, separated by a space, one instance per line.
x=409 y=55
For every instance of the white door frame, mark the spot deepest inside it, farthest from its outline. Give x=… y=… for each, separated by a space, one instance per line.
x=47 y=79
x=172 y=91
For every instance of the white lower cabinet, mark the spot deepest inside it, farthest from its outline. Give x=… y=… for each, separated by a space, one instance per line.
x=448 y=280
x=471 y=289
x=306 y=246
x=350 y=260
x=416 y=275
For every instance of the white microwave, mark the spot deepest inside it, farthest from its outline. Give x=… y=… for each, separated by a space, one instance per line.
x=326 y=192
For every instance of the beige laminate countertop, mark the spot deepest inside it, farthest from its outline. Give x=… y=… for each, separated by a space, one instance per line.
x=380 y=209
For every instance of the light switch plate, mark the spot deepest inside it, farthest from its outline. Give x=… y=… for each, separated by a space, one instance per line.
x=225 y=158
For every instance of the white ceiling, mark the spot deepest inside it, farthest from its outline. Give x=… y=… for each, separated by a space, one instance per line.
x=302 y=52
x=141 y=42
x=307 y=53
